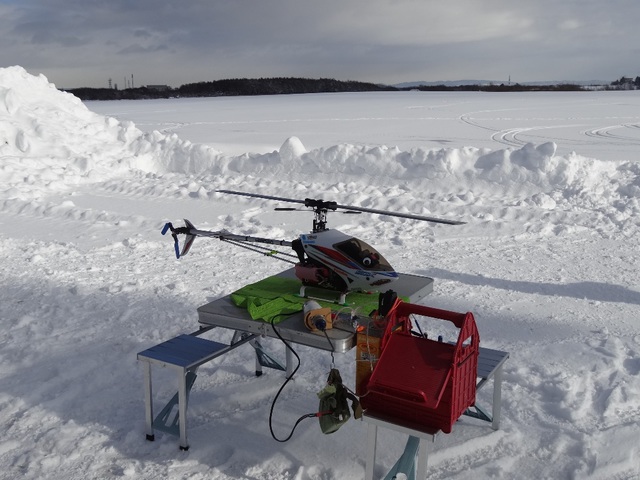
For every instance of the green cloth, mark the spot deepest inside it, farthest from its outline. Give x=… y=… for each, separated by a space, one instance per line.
x=276 y=298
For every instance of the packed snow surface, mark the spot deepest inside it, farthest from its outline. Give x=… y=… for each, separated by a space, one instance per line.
x=547 y=262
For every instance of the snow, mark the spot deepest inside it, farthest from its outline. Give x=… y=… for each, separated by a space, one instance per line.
x=547 y=183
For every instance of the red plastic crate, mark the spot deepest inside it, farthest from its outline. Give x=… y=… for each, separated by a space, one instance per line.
x=422 y=381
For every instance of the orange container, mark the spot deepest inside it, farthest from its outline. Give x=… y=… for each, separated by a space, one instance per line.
x=368 y=341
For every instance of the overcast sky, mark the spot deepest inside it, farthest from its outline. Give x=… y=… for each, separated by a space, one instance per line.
x=86 y=42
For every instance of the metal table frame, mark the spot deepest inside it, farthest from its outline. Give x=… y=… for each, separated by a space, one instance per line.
x=185 y=353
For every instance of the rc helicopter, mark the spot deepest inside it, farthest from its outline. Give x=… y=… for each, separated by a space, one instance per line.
x=326 y=258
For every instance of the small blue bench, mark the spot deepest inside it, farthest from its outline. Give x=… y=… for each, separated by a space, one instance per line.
x=184 y=354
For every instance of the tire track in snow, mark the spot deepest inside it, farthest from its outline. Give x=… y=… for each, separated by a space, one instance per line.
x=511 y=136
x=606 y=133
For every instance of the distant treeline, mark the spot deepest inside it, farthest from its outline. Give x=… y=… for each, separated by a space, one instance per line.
x=274 y=86
x=516 y=87
x=281 y=85
x=230 y=87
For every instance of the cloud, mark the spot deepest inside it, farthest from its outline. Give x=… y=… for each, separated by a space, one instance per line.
x=137 y=49
x=142 y=33
x=374 y=40
x=570 y=24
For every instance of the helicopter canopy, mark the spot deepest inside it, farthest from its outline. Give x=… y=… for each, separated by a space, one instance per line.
x=363 y=254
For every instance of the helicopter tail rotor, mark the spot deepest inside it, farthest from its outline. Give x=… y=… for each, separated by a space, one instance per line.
x=186 y=230
x=189 y=239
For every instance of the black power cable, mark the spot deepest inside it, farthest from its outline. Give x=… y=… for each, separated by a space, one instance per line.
x=273 y=403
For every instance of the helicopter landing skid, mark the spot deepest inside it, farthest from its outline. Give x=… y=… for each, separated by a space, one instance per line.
x=341 y=301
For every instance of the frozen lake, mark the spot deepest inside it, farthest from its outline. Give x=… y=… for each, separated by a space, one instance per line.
x=604 y=125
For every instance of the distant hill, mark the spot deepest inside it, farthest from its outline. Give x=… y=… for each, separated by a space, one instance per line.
x=447 y=83
x=461 y=83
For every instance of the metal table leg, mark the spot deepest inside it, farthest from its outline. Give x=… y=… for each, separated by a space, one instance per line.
x=148 y=401
x=423 y=458
x=182 y=409
x=289 y=362
x=497 y=398
x=372 y=441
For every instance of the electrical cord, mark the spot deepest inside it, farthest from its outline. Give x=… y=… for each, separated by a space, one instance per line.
x=273 y=404
x=333 y=362
x=287 y=380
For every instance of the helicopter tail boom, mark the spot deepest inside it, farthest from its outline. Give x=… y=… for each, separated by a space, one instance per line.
x=192 y=232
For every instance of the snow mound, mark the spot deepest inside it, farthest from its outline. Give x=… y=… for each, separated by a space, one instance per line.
x=292 y=149
x=57 y=133
x=64 y=144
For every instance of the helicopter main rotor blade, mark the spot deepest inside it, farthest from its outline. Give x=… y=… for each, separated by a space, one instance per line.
x=334 y=206
x=402 y=215
x=257 y=195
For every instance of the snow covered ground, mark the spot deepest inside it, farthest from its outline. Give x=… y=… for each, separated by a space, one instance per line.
x=547 y=262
